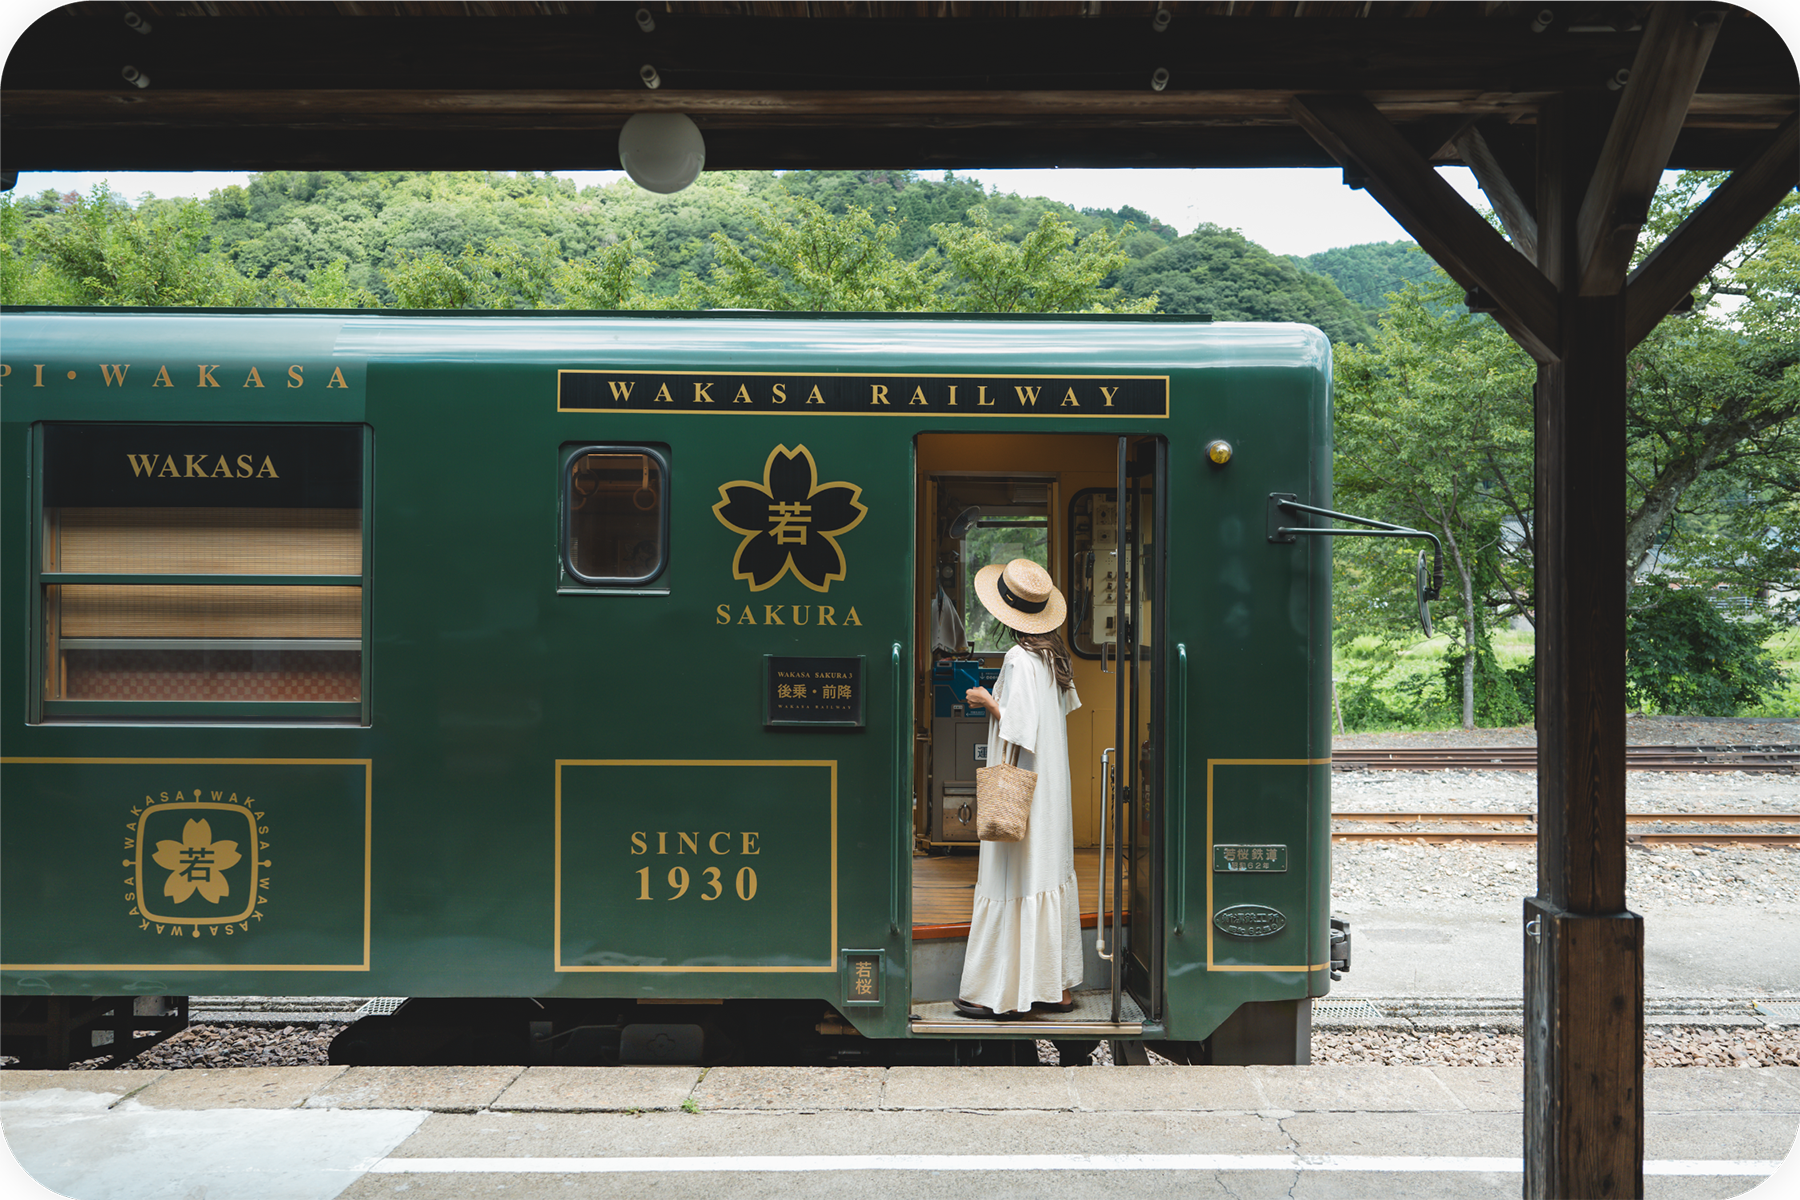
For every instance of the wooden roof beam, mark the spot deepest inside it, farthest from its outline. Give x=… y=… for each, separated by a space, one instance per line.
x=1436 y=136
x=82 y=48
x=1735 y=207
x=1355 y=133
x=1677 y=41
x=1508 y=176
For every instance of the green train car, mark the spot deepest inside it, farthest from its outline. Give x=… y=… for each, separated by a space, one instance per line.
x=594 y=681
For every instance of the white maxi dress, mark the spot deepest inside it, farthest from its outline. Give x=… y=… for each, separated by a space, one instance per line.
x=1025 y=931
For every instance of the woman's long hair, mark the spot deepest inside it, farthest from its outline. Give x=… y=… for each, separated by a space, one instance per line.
x=1050 y=648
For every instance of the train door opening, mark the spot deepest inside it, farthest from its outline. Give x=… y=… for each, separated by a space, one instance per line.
x=1090 y=509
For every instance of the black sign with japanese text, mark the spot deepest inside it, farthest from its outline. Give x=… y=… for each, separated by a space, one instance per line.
x=812 y=691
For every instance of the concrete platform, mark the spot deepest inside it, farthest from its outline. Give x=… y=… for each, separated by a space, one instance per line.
x=316 y=1133
x=1470 y=948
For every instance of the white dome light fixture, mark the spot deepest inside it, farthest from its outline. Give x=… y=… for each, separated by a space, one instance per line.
x=662 y=152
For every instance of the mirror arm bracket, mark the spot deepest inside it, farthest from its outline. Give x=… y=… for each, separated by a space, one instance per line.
x=1286 y=502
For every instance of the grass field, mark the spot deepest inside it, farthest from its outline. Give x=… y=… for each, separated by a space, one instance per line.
x=1785 y=703
x=1383 y=685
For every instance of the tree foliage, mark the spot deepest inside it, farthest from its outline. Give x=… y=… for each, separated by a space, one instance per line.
x=804 y=258
x=1685 y=656
x=1429 y=410
x=501 y=274
x=1221 y=272
x=733 y=239
x=1714 y=461
x=1434 y=430
x=26 y=275
x=1713 y=407
x=911 y=203
x=100 y=250
x=1047 y=270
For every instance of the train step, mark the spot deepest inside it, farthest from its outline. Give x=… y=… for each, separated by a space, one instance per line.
x=1092 y=1018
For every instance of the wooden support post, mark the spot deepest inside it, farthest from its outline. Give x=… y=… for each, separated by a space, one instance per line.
x=1584 y=1108
x=1584 y=1111
x=1584 y=953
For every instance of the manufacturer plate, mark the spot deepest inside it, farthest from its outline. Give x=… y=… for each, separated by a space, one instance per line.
x=1271 y=859
x=1249 y=921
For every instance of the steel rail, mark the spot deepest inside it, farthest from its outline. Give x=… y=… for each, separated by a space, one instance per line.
x=1511 y=838
x=1784 y=757
x=1642 y=818
x=1638 y=762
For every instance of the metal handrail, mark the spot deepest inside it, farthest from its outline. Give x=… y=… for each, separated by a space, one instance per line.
x=1177 y=791
x=1105 y=795
x=902 y=719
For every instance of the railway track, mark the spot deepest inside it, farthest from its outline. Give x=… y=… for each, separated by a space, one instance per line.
x=1524 y=834
x=1780 y=758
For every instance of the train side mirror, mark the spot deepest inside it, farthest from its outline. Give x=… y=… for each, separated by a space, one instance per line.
x=1427 y=581
x=1423 y=592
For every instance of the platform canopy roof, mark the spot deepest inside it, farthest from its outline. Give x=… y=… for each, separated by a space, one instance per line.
x=790 y=84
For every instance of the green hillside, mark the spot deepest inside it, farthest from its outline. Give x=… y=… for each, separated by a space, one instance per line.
x=496 y=239
x=1220 y=271
x=1368 y=272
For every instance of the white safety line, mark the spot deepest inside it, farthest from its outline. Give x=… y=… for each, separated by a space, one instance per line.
x=717 y=1164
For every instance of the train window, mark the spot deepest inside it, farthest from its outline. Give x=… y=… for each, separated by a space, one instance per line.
x=1099 y=583
x=202 y=572
x=615 y=526
x=997 y=520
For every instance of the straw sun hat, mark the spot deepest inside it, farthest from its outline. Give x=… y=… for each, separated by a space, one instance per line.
x=1021 y=595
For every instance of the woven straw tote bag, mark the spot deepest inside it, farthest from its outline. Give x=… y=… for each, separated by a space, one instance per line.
x=1003 y=799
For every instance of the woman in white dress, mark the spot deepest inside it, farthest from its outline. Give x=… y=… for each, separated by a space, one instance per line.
x=1025 y=932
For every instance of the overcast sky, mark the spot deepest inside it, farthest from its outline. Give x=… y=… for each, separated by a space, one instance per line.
x=1290 y=211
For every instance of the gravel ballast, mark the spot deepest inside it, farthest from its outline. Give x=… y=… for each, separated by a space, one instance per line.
x=1664 y=1046
x=1766 y=878
x=1667 y=1046
x=1733 y=792
x=232 y=1046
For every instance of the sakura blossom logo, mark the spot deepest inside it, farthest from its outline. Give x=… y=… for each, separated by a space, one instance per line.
x=198 y=865
x=789 y=522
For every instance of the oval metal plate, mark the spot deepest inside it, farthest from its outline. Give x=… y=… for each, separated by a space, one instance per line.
x=1249 y=921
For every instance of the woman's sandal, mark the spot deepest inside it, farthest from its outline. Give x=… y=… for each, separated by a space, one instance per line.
x=981 y=1012
x=1055 y=1006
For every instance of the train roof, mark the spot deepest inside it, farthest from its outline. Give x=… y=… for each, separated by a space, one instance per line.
x=746 y=339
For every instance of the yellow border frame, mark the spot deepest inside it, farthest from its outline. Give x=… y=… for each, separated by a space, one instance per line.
x=1207 y=857
x=556 y=933
x=368 y=766
x=1164 y=415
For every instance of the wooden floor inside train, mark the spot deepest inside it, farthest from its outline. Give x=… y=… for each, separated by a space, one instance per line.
x=944 y=891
